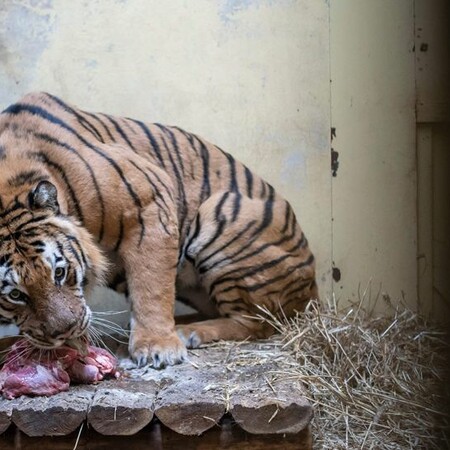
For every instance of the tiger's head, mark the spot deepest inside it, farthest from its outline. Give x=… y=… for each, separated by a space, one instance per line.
x=47 y=263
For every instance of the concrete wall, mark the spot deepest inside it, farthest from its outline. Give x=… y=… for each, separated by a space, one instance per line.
x=249 y=75
x=373 y=112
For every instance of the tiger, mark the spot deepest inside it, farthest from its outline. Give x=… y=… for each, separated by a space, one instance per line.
x=150 y=210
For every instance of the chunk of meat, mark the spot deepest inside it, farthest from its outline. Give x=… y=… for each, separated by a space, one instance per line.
x=93 y=367
x=30 y=371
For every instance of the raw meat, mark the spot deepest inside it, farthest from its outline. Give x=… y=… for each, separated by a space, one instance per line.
x=92 y=367
x=31 y=371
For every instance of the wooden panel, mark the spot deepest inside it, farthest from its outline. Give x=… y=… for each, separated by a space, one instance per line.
x=432 y=49
x=6 y=409
x=53 y=416
x=261 y=404
x=122 y=407
x=191 y=398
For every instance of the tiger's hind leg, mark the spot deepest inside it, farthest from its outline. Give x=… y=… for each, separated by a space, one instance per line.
x=249 y=254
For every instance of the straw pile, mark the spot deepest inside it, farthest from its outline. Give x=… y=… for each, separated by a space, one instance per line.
x=374 y=382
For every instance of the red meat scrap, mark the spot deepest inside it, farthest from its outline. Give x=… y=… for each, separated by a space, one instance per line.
x=30 y=371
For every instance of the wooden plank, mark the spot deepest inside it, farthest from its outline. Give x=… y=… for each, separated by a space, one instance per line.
x=6 y=409
x=122 y=407
x=263 y=406
x=191 y=399
x=57 y=415
x=260 y=400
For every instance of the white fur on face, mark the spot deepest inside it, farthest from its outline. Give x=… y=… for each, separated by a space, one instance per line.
x=53 y=258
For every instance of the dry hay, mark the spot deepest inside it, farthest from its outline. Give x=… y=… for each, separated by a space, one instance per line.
x=374 y=382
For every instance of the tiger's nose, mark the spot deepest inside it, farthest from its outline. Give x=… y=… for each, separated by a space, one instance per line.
x=54 y=334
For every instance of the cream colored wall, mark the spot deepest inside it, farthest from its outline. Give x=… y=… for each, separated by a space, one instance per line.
x=250 y=75
x=373 y=111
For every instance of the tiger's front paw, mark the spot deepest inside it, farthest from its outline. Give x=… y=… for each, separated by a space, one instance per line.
x=157 y=351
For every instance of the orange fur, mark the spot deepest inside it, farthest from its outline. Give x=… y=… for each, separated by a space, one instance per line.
x=173 y=213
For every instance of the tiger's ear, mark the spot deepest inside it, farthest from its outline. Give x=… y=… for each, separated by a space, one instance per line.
x=44 y=196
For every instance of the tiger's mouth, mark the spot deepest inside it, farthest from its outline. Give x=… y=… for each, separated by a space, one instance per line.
x=44 y=344
x=76 y=336
x=79 y=342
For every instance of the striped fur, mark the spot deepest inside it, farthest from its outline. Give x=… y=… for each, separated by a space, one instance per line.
x=172 y=212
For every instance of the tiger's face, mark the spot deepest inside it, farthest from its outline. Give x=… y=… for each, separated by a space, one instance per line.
x=47 y=261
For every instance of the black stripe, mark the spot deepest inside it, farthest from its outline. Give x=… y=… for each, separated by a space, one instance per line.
x=95 y=117
x=17 y=205
x=222 y=247
x=19 y=216
x=286 y=287
x=120 y=237
x=206 y=187
x=268 y=212
x=249 y=179
x=26 y=177
x=263 y=189
x=258 y=286
x=5 y=259
x=234 y=187
x=61 y=249
x=122 y=133
x=236 y=206
x=233 y=180
x=81 y=120
x=287 y=215
x=267 y=219
x=221 y=222
x=253 y=271
x=76 y=255
x=151 y=139
x=190 y=138
x=174 y=142
x=227 y=301
x=218 y=210
x=125 y=121
x=192 y=238
x=270 y=244
x=158 y=197
x=205 y=191
x=7 y=308
x=79 y=248
x=180 y=184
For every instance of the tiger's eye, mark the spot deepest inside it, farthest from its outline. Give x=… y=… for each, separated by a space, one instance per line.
x=59 y=273
x=15 y=294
